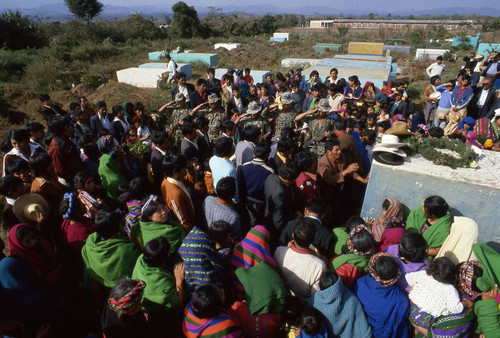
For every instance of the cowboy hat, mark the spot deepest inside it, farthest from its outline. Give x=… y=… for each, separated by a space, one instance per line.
x=388 y=158
x=286 y=98
x=390 y=141
x=28 y=206
x=324 y=106
x=391 y=150
x=254 y=108
x=398 y=128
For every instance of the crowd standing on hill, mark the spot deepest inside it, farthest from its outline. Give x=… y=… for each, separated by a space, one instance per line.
x=233 y=211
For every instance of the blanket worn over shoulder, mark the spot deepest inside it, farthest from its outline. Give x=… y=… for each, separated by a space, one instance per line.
x=111 y=176
x=107 y=261
x=172 y=231
x=343 y=311
x=436 y=234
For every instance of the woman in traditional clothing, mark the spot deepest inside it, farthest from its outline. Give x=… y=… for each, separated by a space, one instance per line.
x=391 y=208
x=464 y=232
x=361 y=246
x=379 y=287
x=88 y=193
x=204 y=316
x=433 y=221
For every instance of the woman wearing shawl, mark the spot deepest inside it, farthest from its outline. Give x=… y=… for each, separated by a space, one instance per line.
x=369 y=93
x=259 y=317
x=204 y=316
x=122 y=315
x=391 y=208
x=487 y=309
x=342 y=234
x=164 y=295
x=156 y=222
x=393 y=233
x=350 y=265
x=377 y=288
x=433 y=221
x=107 y=254
x=414 y=122
x=464 y=233
x=26 y=243
x=109 y=171
x=458 y=325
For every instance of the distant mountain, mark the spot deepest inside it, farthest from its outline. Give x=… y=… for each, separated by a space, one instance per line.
x=48 y=9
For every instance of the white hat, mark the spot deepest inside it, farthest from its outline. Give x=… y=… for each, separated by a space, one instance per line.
x=497 y=114
x=390 y=141
x=392 y=150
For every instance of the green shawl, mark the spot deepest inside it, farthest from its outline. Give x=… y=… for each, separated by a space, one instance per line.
x=490 y=261
x=172 y=231
x=436 y=234
x=107 y=261
x=488 y=317
x=160 y=293
x=265 y=291
x=111 y=176
x=341 y=244
x=359 y=262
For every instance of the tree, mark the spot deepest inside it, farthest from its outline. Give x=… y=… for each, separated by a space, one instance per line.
x=84 y=9
x=18 y=32
x=371 y=16
x=186 y=23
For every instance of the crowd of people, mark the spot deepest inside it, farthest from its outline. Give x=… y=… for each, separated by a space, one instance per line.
x=240 y=215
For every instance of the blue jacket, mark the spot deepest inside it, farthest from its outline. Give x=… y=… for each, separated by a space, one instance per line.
x=444 y=101
x=464 y=99
x=389 y=319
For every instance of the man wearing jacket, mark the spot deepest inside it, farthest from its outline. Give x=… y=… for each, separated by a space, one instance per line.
x=460 y=98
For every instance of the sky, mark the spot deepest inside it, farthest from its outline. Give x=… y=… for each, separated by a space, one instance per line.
x=341 y=4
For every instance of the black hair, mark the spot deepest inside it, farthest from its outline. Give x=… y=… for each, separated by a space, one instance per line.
x=287 y=132
x=353 y=222
x=295 y=83
x=315 y=88
x=349 y=123
x=289 y=171
x=206 y=302
x=20 y=135
x=443 y=270
x=43 y=97
x=226 y=188
x=330 y=143
x=466 y=77
x=76 y=207
x=439 y=57
x=312 y=321
x=262 y=150
x=436 y=206
x=386 y=204
x=436 y=132
x=39 y=163
x=327 y=279
x=33 y=127
x=285 y=144
x=355 y=79
x=117 y=108
x=251 y=132
x=292 y=312
x=100 y=104
x=305 y=159
x=304 y=232
x=387 y=267
x=218 y=231
x=339 y=124
x=434 y=79
x=92 y=150
x=80 y=178
x=201 y=81
x=8 y=184
x=223 y=147
x=16 y=165
x=22 y=231
x=188 y=128
x=201 y=122
x=173 y=163
x=138 y=106
x=363 y=241
x=73 y=106
x=159 y=137
x=148 y=212
x=155 y=252
x=247 y=70
x=316 y=205
x=371 y=116
x=211 y=70
x=314 y=72
x=58 y=124
x=107 y=223
x=384 y=125
x=412 y=247
x=227 y=125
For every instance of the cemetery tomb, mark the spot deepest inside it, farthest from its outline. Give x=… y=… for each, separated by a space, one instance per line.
x=140 y=77
x=181 y=67
x=323 y=47
x=429 y=54
x=367 y=48
x=228 y=46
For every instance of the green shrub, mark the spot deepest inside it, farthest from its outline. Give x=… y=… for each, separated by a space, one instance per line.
x=19 y=32
x=93 y=52
x=41 y=75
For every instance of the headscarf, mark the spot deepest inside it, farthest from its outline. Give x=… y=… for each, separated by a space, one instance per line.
x=71 y=198
x=395 y=210
x=373 y=272
x=399 y=117
x=465 y=274
x=92 y=204
x=133 y=297
x=105 y=144
x=470 y=121
x=42 y=262
x=253 y=249
x=424 y=127
x=350 y=245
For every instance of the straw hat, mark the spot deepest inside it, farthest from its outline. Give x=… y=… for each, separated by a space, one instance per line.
x=398 y=128
x=27 y=206
x=254 y=108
